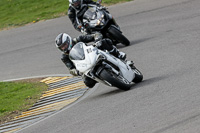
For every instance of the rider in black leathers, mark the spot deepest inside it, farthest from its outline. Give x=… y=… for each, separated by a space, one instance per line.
x=65 y=43
x=76 y=11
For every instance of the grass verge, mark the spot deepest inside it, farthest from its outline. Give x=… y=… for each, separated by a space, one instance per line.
x=16 y=13
x=16 y=97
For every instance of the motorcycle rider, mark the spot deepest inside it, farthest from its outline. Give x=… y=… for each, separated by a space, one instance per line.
x=76 y=11
x=65 y=43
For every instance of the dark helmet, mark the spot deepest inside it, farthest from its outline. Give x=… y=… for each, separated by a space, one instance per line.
x=76 y=4
x=64 y=42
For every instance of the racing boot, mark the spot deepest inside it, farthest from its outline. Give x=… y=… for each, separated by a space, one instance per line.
x=119 y=54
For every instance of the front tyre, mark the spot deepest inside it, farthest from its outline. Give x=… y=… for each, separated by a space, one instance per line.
x=138 y=76
x=113 y=79
x=117 y=35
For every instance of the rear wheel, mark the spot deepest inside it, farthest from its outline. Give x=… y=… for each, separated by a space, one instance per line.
x=117 y=35
x=115 y=80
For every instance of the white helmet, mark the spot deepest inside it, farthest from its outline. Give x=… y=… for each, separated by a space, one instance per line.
x=64 y=42
x=76 y=4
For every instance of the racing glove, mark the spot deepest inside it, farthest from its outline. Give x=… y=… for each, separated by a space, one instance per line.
x=74 y=72
x=98 y=36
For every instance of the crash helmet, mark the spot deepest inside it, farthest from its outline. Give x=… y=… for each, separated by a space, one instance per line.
x=76 y=4
x=64 y=42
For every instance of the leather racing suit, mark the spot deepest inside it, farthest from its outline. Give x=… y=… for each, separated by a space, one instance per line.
x=76 y=15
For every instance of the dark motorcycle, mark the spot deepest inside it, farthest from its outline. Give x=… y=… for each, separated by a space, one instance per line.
x=98 y=19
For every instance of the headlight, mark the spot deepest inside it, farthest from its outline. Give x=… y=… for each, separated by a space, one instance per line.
x=94 y=23
x=98 y=22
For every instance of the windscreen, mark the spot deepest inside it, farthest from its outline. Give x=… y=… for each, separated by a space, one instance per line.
x=77 y=52
x=90 y=14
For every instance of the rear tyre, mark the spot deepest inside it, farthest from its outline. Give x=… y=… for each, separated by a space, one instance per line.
x=113 y=79
x=117 y=35
x=138 y=76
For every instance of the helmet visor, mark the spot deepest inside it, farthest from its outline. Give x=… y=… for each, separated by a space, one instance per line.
x=76 y=4
x=64 y=46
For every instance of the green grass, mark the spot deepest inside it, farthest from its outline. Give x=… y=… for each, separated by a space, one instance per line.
x=20 y=12
x=16 y=97
x=15 y=13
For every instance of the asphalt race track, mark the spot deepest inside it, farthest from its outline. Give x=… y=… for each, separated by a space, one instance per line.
x=165 y=46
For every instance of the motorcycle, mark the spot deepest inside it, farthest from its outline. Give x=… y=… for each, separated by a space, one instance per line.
x=98 y=19
x=103 y=67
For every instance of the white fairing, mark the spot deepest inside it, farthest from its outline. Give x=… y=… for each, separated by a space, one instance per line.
x=126 y=70
x=89 y=61
x=91 y=55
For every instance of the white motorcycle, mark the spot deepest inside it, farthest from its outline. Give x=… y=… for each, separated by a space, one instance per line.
x=104 y=67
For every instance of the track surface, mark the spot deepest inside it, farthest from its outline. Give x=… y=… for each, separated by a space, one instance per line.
x=165 y=46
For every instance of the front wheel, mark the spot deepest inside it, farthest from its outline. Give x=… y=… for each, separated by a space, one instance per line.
x=114 y=80
x=117 y=35
x=138 y=76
